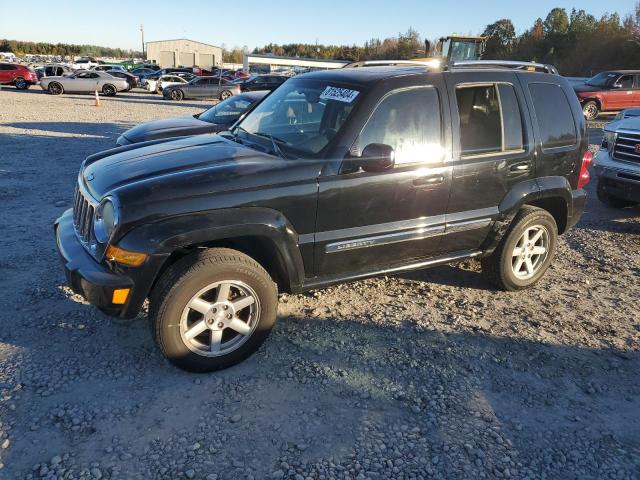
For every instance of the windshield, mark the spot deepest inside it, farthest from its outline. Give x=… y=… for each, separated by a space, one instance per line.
x=603 y=79
x=461 y=50
x=302 y=116
x=227 y=111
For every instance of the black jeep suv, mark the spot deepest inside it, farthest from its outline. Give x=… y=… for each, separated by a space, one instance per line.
x=338 y=175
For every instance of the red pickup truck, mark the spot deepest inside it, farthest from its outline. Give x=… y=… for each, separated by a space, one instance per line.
x=19 y=75
x=609 y=91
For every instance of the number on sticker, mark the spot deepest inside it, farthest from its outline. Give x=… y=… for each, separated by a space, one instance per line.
x=339 y=94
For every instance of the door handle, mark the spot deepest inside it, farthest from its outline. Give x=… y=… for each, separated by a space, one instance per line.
x=429 y=180
x=519 y=168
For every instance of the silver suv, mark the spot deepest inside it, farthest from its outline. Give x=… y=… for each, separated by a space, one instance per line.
x=617 y=163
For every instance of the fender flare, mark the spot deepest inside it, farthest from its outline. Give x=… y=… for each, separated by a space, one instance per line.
x=526 y=192
x=183 y=231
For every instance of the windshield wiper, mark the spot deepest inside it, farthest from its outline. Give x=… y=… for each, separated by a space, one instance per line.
x=274 y=142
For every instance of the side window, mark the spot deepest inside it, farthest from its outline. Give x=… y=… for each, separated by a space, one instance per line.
x=409 y=121
x=626 y=81
x=553 y=112
x=490 y=119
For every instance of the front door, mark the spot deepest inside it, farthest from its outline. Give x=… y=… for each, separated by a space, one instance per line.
x=370 y=220
x=492 y=150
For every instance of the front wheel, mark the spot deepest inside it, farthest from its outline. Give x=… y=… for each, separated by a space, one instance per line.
x=212 y=309
x=590 y=110
x=225 y=94
x=109 y=90
x=525 y=252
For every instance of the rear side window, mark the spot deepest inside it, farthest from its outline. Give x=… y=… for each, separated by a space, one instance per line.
x=408 y=121
x=490 y=119
x=553 y=112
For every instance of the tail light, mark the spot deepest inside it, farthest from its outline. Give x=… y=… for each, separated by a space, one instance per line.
x=587 y=160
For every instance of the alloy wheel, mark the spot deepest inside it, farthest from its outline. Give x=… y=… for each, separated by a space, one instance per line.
x=220 y=318
x=530 y=252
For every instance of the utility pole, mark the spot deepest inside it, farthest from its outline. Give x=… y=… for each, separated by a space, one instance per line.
x=144 y=57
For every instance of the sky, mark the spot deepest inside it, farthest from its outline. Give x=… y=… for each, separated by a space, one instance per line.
x=256 y=23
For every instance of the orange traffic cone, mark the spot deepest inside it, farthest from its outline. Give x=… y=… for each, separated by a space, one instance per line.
x=97 y=99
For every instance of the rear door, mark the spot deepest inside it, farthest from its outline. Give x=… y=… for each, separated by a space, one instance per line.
x=493 y=151
x=372 y=220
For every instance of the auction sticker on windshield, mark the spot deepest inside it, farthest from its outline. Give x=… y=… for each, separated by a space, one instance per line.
x=339 y=94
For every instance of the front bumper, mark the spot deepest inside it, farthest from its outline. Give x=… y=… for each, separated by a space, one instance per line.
x=95 y=281
x=619 y=179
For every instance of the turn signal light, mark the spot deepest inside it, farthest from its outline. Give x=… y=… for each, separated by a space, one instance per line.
x=584 y=177
x=125 y=257
x=120 y=296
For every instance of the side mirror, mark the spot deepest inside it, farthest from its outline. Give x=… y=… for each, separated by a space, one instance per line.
x=376 y=157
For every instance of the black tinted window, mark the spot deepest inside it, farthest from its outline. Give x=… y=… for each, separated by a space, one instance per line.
x=409 y=122
x=511 y=118
x=480 y=122
x=553 y=112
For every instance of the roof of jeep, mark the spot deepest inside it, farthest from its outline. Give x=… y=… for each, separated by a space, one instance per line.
x=364 y=76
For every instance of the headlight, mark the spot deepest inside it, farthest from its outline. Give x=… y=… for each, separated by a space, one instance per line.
x=609 y=140
x=105 y=220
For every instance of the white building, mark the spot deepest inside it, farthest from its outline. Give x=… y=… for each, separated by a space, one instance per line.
x=183 y=53
x=273 y=63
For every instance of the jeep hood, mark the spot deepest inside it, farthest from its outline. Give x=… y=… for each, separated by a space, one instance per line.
x=170 y=127
x=188 y=166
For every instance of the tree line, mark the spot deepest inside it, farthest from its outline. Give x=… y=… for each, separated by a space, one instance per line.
x=576 y=42
x=21 y=48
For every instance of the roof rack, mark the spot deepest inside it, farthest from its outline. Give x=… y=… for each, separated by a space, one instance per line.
x=433 y=63
x=513 y=64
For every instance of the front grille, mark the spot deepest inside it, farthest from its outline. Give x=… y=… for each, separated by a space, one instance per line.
x=627 y=147
x=83 y=210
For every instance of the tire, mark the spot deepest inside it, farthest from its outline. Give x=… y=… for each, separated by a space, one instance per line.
x=225 y=94
x=21 y=84
x=55 y=88
x=198 y=280
x=591 y=110
x=177 y=95
x=501 y=266
x=609 y=200
x=109 y=90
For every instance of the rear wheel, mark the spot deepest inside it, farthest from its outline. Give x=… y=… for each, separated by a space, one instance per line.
x=590 y=110
x=609 y=200
x=177 y=95
x=55 y=88
x=212 y=310
x=225 y=94
x=525 y=252
x=21 y=83
x=109 y=90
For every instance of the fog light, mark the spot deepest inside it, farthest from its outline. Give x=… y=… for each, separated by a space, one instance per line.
x=125 y=257
x=120 y=296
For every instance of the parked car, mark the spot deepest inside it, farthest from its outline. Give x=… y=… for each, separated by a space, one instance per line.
x=18 y=75
x=84 y=63
x=106 y=68
x=262 y=82
x=617 y=163
x=216 y=119
x=166 y=71
x=609 y=91
x=131 y=79
x=142 y=73
x=156 y=85
x=202 y=87
x=53 y=70
x=85 y=81
x=337 y=175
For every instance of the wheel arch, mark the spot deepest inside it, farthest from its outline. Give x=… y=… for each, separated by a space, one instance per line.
x=264 y=234
x=553 y=194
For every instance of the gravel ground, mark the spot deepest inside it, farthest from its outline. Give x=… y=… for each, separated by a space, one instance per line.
x=424 y=375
